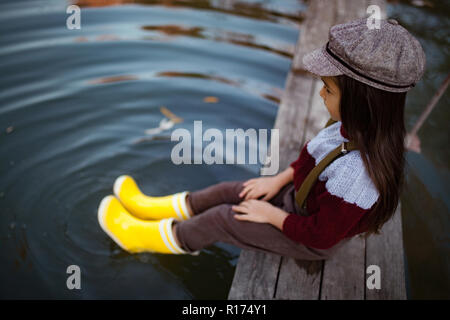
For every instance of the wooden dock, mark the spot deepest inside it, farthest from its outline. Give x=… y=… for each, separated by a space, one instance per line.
x=301 y=115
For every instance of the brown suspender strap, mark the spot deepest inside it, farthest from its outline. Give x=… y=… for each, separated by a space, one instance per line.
x=330 y=122
x=309 y=181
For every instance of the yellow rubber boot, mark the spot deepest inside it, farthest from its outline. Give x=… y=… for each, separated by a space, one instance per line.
x=146 y=207
x=135 y=235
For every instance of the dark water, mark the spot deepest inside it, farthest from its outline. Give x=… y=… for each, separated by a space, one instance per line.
x=426 y=200
x=74 y=107
x=75 y=104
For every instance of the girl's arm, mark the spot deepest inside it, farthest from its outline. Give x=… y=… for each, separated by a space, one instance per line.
x=277 y=218
x=260 y=211
x=285 y=176
x=266 y=186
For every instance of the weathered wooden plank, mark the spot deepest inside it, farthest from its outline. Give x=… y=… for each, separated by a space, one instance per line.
x=293 y=122
x=301 y=115
x=291 y=118
x=299 y=280
x=311 y=115
x=386 y=251
x=343 y=274
x=255 y=276
x=319 y=114
x=341 y=280
x=321 y=15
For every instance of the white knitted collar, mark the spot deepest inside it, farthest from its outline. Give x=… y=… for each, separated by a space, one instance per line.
x=326 y=141
x=346 y=177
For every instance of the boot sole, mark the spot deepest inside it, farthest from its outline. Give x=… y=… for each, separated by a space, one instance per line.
x=101 y=214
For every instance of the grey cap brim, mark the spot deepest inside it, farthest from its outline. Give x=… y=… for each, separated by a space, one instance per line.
x=319 y=63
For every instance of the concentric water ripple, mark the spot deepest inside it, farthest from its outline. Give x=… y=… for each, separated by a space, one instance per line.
x=77 y=104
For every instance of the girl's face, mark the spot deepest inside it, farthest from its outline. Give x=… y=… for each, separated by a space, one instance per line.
x=331 y=97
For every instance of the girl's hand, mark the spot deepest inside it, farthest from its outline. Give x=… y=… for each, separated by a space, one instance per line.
x=254 y=210
x=257 y=187
x=260 y=211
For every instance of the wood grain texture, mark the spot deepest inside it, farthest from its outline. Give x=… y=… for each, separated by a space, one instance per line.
x=299 y=280
x=386 y=251
x=343 y=274
x=292 y=118
x=255 y=276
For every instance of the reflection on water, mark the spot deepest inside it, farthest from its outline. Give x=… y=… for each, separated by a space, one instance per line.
x=264 y=10
x=113 y=79
x=231 y=37
x=80 y=107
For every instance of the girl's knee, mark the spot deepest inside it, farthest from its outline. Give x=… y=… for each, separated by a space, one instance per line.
x=224 y=215
x=225 y=211
x=230 y=190
x=233 y=186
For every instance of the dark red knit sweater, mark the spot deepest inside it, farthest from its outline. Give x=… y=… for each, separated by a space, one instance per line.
x=342 y=197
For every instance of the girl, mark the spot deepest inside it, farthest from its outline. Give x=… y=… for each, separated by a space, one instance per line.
x=366 y=74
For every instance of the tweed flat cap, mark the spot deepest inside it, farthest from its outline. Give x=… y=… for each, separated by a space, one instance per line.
x=388 y=58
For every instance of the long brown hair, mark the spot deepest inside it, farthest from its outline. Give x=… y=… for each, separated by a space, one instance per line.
x=373 y=119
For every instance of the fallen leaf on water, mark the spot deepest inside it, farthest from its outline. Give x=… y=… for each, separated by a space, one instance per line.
x=164 y=124
x=113 y=79
x=169 y=114
x=210 y=99
x=81 y=39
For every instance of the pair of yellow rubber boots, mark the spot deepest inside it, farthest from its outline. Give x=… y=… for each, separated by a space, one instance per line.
x=139 y=223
